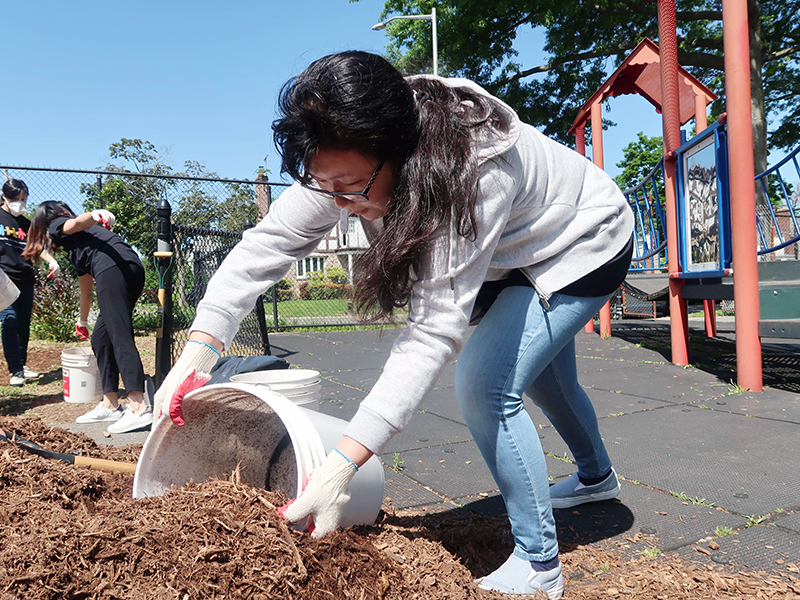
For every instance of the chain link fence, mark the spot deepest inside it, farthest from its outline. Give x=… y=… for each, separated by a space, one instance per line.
x=207 y=218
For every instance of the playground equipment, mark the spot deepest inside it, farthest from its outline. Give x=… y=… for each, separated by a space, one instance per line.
x=701 y=228
x=640 y=73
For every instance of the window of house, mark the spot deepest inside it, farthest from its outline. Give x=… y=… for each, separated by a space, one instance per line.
x=309 y=265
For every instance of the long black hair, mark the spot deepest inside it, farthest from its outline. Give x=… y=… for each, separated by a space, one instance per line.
x=357 y=100
x=38 y=234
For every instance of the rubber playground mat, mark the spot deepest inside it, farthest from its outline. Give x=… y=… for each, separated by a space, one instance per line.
x=702 y=461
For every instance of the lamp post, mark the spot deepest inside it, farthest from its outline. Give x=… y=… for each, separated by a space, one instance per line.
x=432 y=18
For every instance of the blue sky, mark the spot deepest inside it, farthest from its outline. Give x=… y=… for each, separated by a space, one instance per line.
x=197 y=79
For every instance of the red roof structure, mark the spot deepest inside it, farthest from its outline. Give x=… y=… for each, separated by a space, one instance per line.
x=640 y=74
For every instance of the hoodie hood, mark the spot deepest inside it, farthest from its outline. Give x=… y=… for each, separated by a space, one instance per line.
x=489 y=141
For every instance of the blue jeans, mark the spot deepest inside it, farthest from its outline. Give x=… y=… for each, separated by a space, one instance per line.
x=15 y=328
x=520 y=346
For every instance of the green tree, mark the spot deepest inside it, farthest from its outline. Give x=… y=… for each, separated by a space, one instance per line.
x=130 y=196
x=238 y=207
x=197 y=206
x=476 y=40
x=201 y=206
x=638 y=159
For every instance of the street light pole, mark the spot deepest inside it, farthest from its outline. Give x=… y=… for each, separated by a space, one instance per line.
x=432 y=18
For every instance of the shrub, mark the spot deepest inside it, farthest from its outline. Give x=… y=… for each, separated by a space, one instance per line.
x=285 y=290
x=323 y=290
x=56 y=303
x=336 y=275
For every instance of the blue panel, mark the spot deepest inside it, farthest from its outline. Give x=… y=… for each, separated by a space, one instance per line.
x=714 y=257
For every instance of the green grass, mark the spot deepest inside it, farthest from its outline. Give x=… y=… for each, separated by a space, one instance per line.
x=289 y=309
x=722 y=531
x=398 y=463
x=651 y=552
x=686 y=498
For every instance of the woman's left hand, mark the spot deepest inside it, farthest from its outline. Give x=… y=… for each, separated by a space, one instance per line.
x=55 y=268
x=324 y=496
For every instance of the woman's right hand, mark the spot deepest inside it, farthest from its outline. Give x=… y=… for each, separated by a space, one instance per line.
x=82 y=329
x=104 y=217
x=190 y=372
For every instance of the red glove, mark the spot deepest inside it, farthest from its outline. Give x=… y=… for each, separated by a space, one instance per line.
x=82 y=330
x=192 y=382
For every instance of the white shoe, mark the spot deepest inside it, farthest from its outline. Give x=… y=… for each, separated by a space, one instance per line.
x=130 y=421
x=571 y=492
x=100 y=414
x=29 y=374
x=517 y=576
x=17 y=379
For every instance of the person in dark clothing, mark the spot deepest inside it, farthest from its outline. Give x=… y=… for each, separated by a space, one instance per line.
x=15 y=320
x=101 y=256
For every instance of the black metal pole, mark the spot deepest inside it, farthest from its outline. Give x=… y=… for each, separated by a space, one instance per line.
x=163 y=258
x=275 y=286
x=260 y=314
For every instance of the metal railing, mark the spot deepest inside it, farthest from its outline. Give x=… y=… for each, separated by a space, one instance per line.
x=777 y=217
x=650 y=230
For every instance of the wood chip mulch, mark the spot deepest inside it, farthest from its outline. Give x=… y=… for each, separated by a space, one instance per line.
x=68 y=532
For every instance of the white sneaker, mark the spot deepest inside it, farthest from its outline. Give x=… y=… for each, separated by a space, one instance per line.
x=29 y=374
x=100 y=414
x=571 y=492
x=17 y=379
x=130 y=421
x=516 y=576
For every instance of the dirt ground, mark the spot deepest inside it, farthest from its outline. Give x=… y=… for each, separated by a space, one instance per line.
x=70 y=532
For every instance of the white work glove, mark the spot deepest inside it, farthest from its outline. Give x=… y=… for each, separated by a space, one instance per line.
x=324 y=496
x=189 y=373
x=104 y=217
x=55 y=268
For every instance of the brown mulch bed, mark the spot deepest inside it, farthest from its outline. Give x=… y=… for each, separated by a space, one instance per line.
x=70 y=532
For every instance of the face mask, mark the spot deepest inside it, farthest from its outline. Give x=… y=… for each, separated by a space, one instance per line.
x=17 y=207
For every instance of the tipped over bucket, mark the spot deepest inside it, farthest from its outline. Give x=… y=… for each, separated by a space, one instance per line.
x=274 y=443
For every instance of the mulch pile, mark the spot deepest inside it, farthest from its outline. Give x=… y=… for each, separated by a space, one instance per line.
x=68 y=532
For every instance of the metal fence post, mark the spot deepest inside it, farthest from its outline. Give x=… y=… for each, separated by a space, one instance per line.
x=275 y=286
x=163 y=259
x=260 y=315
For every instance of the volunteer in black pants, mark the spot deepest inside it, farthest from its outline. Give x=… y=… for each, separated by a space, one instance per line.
x=15 y=320
x=102 y=258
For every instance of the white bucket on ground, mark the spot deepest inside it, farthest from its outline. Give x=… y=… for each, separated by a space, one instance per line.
x=301 y=386
x=81 y=377
x=275 y=443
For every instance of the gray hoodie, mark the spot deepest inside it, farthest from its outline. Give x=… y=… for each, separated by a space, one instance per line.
x=541 y=208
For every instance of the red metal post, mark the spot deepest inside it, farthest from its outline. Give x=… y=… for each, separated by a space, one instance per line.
x=736 y=41
x=597 y=158
x=670 y=107
x=580 y=147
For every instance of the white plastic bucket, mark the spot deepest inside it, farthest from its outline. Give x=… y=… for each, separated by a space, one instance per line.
x=81 y=377
x=301 y=386
x=275 y=443
x=279 y=378
x=9 y=292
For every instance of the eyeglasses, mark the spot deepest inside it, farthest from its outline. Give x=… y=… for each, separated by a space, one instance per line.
x=362 y=196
